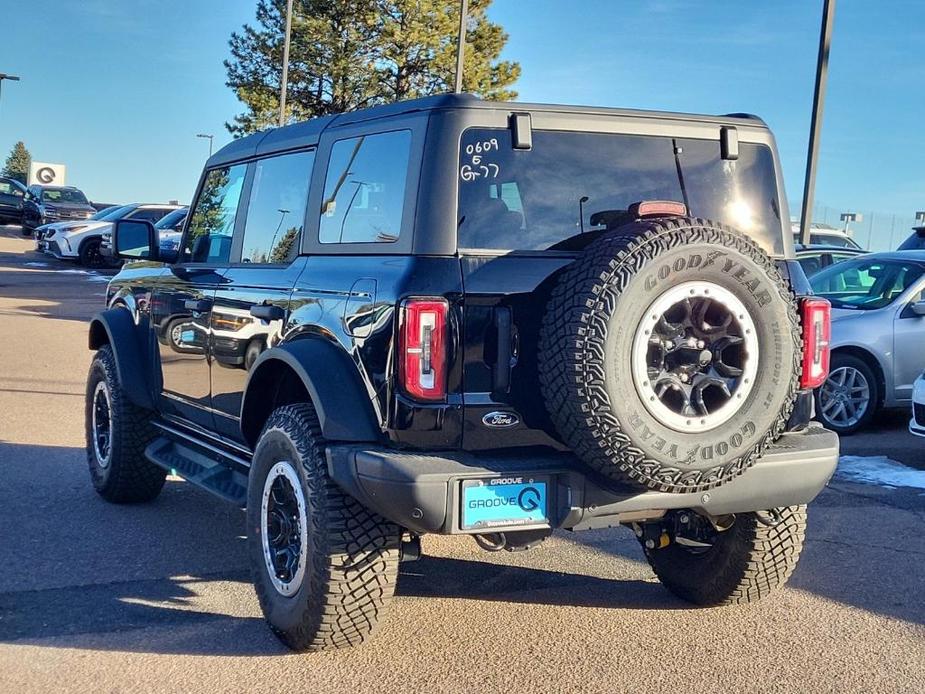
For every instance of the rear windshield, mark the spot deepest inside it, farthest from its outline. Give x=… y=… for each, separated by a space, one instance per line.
x=172 y=220
x=572 y=186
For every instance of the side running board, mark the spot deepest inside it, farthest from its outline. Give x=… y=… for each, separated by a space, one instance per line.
x=199 y=469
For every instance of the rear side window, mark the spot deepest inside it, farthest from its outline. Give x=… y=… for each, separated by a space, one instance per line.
x=571 y=186
x=150 y=214
x=276 y=210
x=208 y=239
x=364 y=189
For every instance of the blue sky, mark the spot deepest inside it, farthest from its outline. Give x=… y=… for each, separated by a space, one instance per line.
x=118 y=90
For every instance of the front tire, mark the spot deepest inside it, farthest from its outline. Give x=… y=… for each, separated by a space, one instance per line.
x=118 y=431
x=90 y=254
x=850 y=396
x=742 y=564
x=324 y=566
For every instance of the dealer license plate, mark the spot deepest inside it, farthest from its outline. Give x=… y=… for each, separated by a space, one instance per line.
x=504 y=502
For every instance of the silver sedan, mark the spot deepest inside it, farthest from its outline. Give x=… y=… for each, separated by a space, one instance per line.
x=878 y=336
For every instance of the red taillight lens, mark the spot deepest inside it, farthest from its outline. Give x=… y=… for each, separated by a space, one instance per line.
x=422 y=348
x=817 y=333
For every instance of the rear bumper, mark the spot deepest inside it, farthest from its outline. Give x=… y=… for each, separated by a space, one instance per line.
x=421 y=491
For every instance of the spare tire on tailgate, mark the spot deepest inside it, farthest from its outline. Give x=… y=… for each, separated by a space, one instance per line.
x=670 y=354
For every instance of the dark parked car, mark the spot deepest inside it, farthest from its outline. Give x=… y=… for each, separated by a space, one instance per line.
x=915 y=242
x=12 y=193
x=815 y=258
x=480 y=319
x=46 y=204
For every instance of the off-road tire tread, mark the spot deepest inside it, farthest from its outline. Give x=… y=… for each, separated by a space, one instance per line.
x=572 y=351
x=757 y=559
x=132 y=478
x=353 y=552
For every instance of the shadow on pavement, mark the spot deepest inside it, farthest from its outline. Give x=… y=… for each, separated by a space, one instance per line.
x=858 y=551
x=83 y=616
x=165 y=562
x=43 y=286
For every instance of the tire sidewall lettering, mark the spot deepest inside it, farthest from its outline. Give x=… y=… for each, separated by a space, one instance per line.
x=744 y=275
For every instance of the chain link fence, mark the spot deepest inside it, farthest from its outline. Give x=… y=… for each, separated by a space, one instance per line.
x=874 y=231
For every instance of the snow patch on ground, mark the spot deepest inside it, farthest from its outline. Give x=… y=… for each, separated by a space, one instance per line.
x=36 y=264
x=879 y=470
x=98 y=278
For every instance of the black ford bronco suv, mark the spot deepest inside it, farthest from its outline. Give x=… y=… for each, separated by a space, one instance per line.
x=470 y=318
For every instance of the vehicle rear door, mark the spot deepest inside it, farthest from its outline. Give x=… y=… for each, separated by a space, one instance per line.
x=528 y=207
x=182 y=305
x=252 y=302
x=522 y=216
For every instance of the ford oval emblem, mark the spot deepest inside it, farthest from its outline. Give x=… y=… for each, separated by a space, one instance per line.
x=501 y=420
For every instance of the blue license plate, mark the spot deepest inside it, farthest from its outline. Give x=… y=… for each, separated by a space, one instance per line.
x=503 y=502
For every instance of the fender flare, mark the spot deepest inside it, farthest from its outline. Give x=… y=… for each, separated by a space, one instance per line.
x=330 y=378
x=116 y=327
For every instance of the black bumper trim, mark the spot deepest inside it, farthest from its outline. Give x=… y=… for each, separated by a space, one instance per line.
x=419 y=491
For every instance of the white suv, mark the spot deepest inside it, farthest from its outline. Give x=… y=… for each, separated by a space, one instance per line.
x=82 y=241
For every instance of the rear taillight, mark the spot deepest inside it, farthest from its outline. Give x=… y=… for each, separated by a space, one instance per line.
x=422 y=348
x=817 y=332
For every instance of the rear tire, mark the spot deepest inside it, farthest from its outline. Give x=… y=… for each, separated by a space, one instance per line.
x=118 y=431
x=745 y=563
x=324 y=566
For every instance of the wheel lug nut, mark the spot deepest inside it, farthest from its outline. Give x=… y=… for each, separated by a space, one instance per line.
x=700 y=344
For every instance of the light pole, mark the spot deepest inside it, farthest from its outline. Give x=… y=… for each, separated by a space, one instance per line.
x=815 y=128
x=284 y=82
x=208 y=137
x=461 y=44
x=4 y=76
x=920 y=217
x=848 y=217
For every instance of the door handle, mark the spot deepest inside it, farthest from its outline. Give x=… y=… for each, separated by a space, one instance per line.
x=197 y=305
x=267 y=312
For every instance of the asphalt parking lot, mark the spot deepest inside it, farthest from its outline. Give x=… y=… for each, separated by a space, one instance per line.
x=95 y=597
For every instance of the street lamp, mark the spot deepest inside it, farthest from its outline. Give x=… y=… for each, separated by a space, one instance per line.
x=284 y=80
x=920 y=217
x=4 y=76
x=848 y=217
x=209 y=138
x=461 y=45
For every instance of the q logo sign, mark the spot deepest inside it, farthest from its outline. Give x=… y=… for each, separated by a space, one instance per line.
x=46 y=174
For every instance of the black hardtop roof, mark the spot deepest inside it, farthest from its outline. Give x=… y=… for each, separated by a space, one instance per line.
x=308 y=132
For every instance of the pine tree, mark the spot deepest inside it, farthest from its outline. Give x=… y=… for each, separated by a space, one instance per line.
x=17 y=164
x=350 y=54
